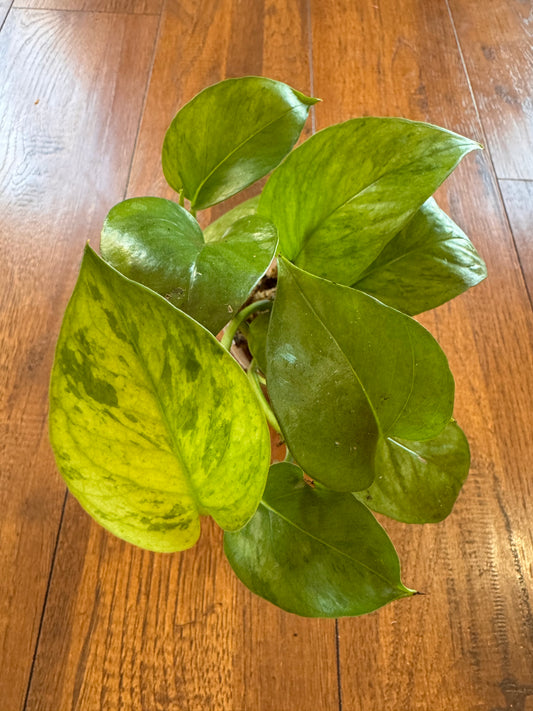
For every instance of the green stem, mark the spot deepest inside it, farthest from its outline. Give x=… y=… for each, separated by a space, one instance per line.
x=182 y=199
x=244 y=328
x=193 y=211
x=256 y=387
x=233 y=325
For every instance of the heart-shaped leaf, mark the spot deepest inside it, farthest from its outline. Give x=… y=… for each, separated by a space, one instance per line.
x=418 y=482
x=314 y=552
x=151 y=421
x=428 y=262
x=230 y=135
x=344 y=369
x=157 y=243
x=216 y=229
x=341 y=196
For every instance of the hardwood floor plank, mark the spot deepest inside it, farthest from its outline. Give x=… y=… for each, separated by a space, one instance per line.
x=497 y=44
x=467 y=643
x=69 y=115
x=127 y=629
x=518 y=200
x=141 y=7
x=4 y=9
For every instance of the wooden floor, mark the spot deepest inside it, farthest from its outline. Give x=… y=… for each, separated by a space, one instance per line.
x=89 y=623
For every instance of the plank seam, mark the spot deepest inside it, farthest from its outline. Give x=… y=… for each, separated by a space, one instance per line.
x=489 y=155
x=45 y=602
x=82 y=12
x=508 y=219
x=145 y=97
x=337 y=648
x=311 y=67
x=6 y=16
x=516 y=180
x=313 y=131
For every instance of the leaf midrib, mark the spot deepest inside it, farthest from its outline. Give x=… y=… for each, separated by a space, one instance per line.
x=419 y=248
x=324 y=326
x=423 y=459
x=352 y=368
x=237 y=148
x=357 y=563
x=176 y=449
x=317 y=227
x=412 y=385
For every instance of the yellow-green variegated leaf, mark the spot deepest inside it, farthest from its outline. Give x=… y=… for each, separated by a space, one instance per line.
x=152 y=422
x=428 y=262
x=230 y=135
x=341 y=196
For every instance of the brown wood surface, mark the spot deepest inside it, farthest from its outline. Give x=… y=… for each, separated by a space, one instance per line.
x=94 y=624
x=141 y=7
x=496 y=38
x=129 y=629
x=468 y=642
x=72 y=92
x=518 y=200
x=4 y=9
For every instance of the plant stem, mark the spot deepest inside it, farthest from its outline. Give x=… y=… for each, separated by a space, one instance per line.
x=193 y=211
x=182 y=199
x=233 y=326
x=251 y=373
x=244 y=328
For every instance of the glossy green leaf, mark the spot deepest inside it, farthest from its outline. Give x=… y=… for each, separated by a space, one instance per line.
x=343 y=370
x=157 y=243
x=216 y=229
x=230 y=135
x=428 y=262
x=151 y=421
x=257 y=339
x=315 y=552
x=418 y=482
x=341 y=196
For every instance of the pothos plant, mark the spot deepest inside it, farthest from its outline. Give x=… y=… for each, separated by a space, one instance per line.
x=153 y=422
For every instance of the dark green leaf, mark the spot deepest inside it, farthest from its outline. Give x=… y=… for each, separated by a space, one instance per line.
x=341 y=196
x=257 y=339
x=152 y=241
x=216 y=229
x=151 y=421
x=315 y=552
x=157 y=243
x=427 y=263
x=418 y=482
x=344 y=369
x=230 y=135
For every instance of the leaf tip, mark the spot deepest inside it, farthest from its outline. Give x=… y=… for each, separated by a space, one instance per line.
x=307 y=100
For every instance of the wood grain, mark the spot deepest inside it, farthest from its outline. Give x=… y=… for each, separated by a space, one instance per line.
x=497 y=44
x=467 y=643
x=142 y=7
x=127 y=629
x=70 y=111
x=518 y=200
x=4 y=9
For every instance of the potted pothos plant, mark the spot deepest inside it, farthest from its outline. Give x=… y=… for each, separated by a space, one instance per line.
x=154 y=424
